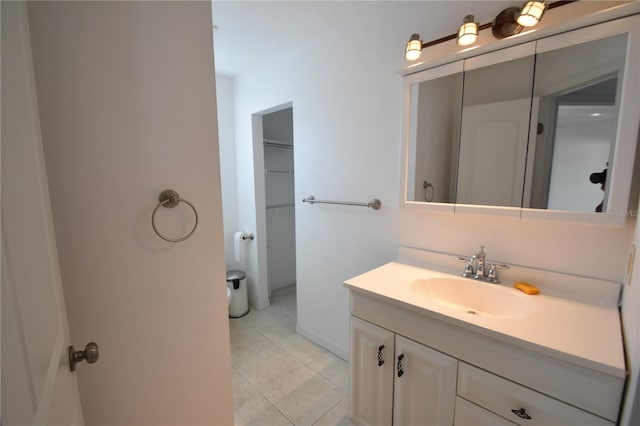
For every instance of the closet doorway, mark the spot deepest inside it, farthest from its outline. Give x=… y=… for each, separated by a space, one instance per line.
x=278 y=146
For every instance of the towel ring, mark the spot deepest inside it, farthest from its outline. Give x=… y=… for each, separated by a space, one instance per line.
x=170 y=198
x=426 y=185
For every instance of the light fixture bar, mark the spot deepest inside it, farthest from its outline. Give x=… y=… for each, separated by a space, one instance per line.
x=489 y=25
x=452 y=36
x=559 y=3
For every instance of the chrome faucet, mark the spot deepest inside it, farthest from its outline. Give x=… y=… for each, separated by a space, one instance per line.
x=476 y=268
x=480 y=258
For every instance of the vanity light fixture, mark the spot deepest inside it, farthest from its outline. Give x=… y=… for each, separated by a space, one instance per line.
x=468 y=31
x=513 y=20
x=414 y=48
x=508 y=22
x=505 y=23
x=531 y=13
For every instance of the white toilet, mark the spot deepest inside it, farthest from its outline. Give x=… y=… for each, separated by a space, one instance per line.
x=228 y=296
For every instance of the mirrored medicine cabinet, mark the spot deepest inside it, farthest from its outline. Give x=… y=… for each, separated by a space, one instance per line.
x=545 y=129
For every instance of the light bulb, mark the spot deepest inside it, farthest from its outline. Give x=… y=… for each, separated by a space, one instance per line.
x=468 y=31
x=414 y=48
x=531 y=13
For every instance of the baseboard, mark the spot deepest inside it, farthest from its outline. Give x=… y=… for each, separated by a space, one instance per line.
x=334 y=349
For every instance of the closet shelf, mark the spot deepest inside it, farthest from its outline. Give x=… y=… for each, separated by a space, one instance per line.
x=278 y=172
x=277 y=206
x=277 y=144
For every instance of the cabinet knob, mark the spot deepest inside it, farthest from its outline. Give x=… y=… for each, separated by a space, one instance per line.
x=522 y=413
x=380 y=356
x=400 y=367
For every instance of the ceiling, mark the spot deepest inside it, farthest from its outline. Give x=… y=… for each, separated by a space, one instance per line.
x=250 y=34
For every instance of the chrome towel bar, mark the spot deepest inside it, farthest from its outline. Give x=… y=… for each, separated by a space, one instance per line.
x=374 y=204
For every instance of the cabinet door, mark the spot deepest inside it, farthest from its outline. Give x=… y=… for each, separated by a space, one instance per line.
x=372 y=366
x=425 y=385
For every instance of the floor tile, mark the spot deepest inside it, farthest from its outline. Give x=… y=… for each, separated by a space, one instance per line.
x=303 y=349
x=337 y=416
x=333 y=368
x=237 y=323
x=257 y=411
x=271 y=363
x=280 y=377
x=243 y=391
x=246 y=342
x=285 y=299
x=302 y=395
x=283 y=292
x=272 y=323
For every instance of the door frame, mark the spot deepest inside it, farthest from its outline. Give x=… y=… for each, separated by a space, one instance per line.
x=261 y=264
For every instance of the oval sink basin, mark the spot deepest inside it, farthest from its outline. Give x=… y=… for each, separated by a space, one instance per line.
x=474 y=297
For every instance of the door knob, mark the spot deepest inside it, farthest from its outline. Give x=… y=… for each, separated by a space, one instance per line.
x=90 y=354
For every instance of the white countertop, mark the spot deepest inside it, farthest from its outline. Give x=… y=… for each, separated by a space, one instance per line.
x=586 y=334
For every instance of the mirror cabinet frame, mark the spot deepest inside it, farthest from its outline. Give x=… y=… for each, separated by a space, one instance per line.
x=621 y=177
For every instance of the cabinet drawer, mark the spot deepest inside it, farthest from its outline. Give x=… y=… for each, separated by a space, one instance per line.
x=503 y=397
x=468 y=414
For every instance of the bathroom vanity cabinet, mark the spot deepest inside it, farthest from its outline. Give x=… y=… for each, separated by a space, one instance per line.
x=393 y=372
x=413 y=362
x=398 y=381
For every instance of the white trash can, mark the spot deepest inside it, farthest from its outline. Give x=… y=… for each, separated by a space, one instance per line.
x=237 y=283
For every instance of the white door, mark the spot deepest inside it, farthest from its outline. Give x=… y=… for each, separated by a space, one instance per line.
x=493 y=150
x=425 y=385
x=126 y=96
x=372 y=366
x=37 y=384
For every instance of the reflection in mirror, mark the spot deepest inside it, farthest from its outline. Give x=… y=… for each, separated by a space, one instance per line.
x=494 y=133
x=509 y=139
x=433 y=139
x=577 y=95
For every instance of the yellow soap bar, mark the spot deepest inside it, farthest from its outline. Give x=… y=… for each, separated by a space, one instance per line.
x=526 y=288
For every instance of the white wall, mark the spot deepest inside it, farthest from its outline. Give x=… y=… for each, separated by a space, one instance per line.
x=126 y=92
x=339 y=155
x=226 y=134
x=347 y=126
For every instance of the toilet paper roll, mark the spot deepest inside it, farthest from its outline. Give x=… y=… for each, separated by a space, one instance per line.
x=239 y=239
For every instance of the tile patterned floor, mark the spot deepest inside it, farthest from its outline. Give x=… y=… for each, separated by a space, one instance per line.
x=281 y=378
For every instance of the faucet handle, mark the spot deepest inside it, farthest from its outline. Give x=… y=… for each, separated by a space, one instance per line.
x=469 y=265
x=492 y=273
x=468 y=269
